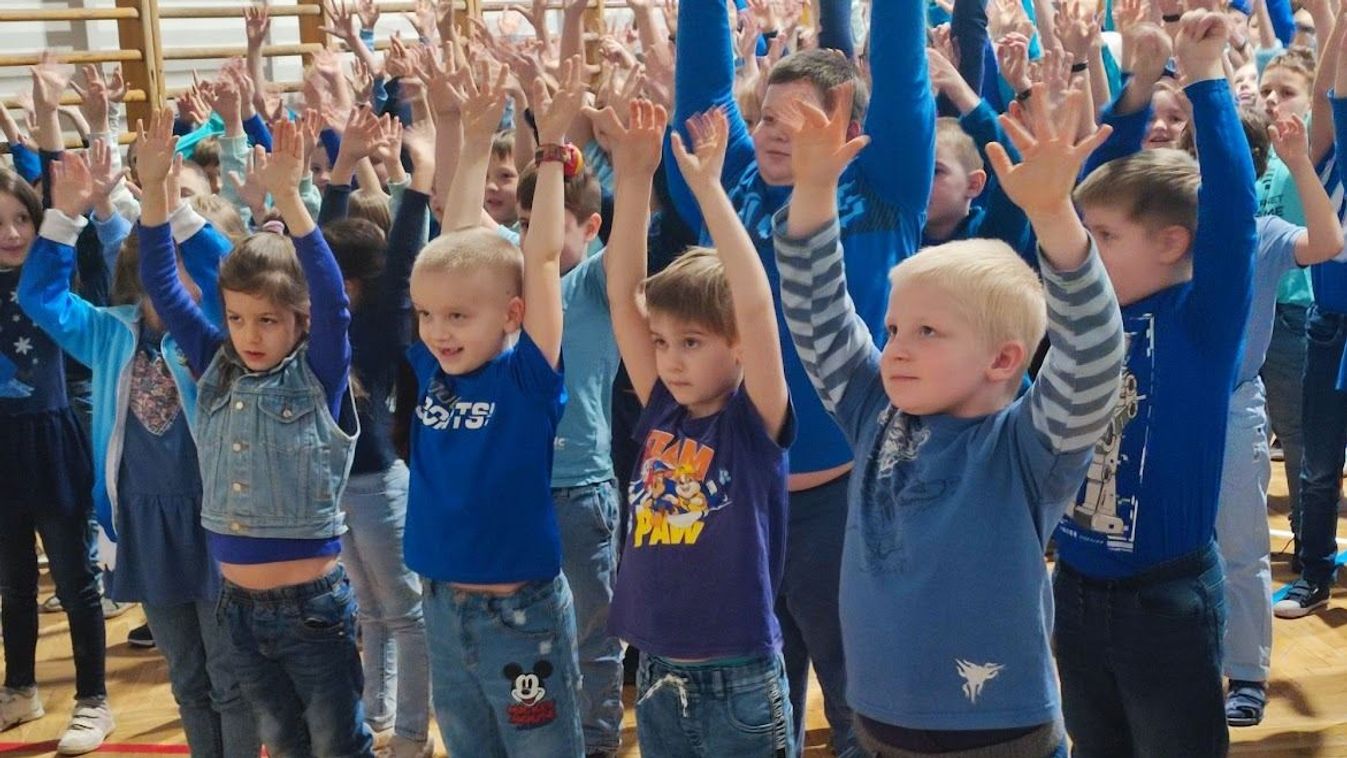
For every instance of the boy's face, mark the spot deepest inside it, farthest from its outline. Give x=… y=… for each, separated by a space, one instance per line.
x=17 y=230
x=502 y=182
x=262 y=331
x=320 y=169
x=771 y=140
x=1168 y=121
x=1246 y=87
x=952 y=190
x=1140 y=260
x=576 y=239
x=935 y=360
x=1286 y=93
x=699 y=367
x=465 y=317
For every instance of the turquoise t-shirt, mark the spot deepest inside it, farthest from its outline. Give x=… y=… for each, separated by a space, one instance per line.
x=1277 y=196
x=582 y=451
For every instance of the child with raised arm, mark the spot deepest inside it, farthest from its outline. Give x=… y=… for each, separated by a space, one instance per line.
x=946 y=453
x=481 y=527
x=275 y=432
x=1139 y=586
x=708 y=495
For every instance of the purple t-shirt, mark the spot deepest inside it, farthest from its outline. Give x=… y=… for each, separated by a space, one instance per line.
x=707 y=542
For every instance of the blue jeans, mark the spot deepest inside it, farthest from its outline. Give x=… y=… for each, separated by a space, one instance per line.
x=215 y=717
x=293 y=650
x=708 y=711
x=806 y=607
x=1325 y=436
x=1284 y=378
x=396 y=659
x=1140 y=660
x=504 y=670
x=1242 y=535
x=587 y=516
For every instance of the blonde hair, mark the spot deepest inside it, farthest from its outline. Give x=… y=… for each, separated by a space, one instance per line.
x=949 y=134
x=222 y=215
x=1154 y=187
x=265 y=265
x=468 y=250
x=693 y=288
x=372 y=206
x=988 y=283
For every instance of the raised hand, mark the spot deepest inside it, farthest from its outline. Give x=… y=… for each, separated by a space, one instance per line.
x=342 y=22
x=257 y=24
x=1051 y=156
x=155 y=147
x=1012 y=57
x=484 y=103
x=388 y=148
x=1290 y=140
x=554 y=112
x=820 y=150
x=249 y=187
x=1200 y=44
x=104 y=173
x=72 y=191
x=635 y=147
x=368 y=11
x=50 y=79
x=1146 y=48
x=422 y=18
x=419 y=139
x=97 y=95
x=701 y=166
x=281 y=170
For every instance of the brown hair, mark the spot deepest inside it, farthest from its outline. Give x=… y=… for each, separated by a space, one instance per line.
x=693 y=288
x=1154 y=187
x=222 y=215
x=206 y=153
x=502 y=145
x=584 y=197
x=372 y=206
x=265 y=265
x=1298 y=60
x=13 y=184
x=127 y=288
x=1255 y=123
x=358 y=245
x=825 y=69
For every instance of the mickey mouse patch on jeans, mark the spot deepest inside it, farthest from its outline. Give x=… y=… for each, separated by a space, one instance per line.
x=530 y=708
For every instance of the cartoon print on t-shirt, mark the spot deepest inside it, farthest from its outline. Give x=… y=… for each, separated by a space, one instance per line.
x=676 y=491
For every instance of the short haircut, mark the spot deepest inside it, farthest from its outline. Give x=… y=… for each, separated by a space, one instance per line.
x=825 y=69
x=206 y=153
x=372 y=206
x=1255 y=123
x=502 y=145
x=1298 y=59
x=584 y=197
x=468 y=250
x=1154 y=187
x=950 y=135
x=988 y=283
x=694 y=289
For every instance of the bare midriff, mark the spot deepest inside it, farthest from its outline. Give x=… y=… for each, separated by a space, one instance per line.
x=269 y=576
x=811 y=479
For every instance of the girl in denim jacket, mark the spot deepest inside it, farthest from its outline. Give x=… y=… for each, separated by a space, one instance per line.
x=276 y=430
x=147 y=488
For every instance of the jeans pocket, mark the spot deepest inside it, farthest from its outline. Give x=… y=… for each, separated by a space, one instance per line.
x=330 y=615
x=1324 y=330
x=536 y=620
x=758 y=709
x=1181 y=599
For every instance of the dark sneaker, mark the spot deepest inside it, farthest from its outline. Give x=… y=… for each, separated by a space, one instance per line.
x=140 y=637
x=1301 y=600
x=1245 y=702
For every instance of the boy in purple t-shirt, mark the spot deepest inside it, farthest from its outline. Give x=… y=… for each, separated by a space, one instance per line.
x=708 y=497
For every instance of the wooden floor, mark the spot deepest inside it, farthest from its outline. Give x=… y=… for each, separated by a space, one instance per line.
x=1307 y=715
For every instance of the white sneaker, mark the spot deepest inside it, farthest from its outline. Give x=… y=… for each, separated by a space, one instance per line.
x=19 y=706
x=90 y=724
x=112 y=609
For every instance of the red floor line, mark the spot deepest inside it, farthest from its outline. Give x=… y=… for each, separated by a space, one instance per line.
x=108 y=747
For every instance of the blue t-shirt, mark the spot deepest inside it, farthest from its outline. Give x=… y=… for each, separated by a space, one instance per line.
x=1276 y=258
x=708 y=532
x=584 y=438
x=480 y=506
x=1277 y=196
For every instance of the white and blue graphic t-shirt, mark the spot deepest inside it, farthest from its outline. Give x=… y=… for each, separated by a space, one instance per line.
x=480 y=506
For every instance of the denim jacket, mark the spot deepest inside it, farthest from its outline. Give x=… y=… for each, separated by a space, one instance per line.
x=274 y=462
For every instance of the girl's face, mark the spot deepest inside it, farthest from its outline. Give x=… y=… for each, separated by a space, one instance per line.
x=1246 y=87
x=262 y=331
x=1286 y=93
x=17 y=230
x=1169 y=120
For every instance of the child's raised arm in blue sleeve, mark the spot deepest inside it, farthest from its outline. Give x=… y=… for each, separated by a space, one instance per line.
x=834 y=21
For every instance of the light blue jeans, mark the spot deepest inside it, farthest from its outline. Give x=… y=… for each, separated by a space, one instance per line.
x=216 y=719
x=504 y=671
x=396 y=660
x=587 y=516
x=1242 y=535
x=738 y=710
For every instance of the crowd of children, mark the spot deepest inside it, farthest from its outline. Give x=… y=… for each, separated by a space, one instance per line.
x=828 y=322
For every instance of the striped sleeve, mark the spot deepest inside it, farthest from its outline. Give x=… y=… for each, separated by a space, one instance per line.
x=832 y=341
x=1072 y=400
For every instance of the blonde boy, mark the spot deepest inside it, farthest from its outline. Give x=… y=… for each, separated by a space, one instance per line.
x=953 y=654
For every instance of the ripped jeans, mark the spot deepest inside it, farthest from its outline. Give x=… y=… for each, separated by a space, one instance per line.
x=718 y=708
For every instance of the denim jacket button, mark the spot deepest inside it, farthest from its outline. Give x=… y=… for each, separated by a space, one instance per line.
x=236 y=527
x=287 y=413
x=238 y=406
x=238 y=447
x=238 y=487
